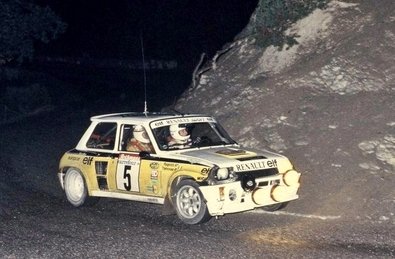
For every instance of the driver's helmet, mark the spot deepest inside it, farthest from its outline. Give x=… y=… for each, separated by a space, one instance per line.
x=140 y=134
x=179 y=133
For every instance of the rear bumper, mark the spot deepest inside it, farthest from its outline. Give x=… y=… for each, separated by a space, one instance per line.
x=231 y=197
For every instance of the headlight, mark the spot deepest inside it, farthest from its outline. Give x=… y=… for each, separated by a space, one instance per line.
x=291 y=178
x=222 y=174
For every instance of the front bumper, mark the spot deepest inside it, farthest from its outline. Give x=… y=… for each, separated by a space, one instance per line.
x=231 y=197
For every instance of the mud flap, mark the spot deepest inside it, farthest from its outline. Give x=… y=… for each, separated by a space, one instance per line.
x=168 y=208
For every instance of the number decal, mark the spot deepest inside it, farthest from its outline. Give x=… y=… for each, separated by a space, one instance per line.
x=127 y=177
x=128 y=171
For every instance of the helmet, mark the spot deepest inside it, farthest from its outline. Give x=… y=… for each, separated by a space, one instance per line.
x=175 y=133
x=140 y=134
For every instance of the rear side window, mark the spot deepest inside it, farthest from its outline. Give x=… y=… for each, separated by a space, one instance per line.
x=103 y=136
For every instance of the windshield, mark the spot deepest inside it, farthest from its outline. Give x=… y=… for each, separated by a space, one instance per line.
x=173 y=136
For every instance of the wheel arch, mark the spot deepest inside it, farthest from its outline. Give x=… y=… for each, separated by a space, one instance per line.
x=88 y=183
x=174 y=182
x=194 y=209
x=84 y=198
x=176 y=179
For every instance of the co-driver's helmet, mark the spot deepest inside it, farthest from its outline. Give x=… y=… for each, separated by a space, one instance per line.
x=179 y=133
x=140 y=134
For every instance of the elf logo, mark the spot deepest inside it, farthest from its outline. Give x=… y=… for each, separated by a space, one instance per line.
x=87 y=160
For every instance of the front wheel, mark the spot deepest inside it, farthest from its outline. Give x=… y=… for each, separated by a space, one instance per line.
x=189 y=203
x=75 y=189
x=274 y=207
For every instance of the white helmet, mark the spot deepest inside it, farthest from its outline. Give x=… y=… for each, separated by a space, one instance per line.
x=175 y=133
x=140 y=134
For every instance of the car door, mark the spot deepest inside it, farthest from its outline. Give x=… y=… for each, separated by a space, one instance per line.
x=127 y=175
x=137 y=171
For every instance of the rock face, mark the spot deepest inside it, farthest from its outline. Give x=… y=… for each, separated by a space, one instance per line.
x=328 y=103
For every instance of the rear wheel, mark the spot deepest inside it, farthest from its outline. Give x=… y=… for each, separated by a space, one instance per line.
x=189 y=203
x=75 y=189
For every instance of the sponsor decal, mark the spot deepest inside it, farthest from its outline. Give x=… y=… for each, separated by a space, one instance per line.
x=158 y=124
x=262 y=164
x=171 y=166
x=87 y=160
x=127 y=162
x=181 y=121
x=204 y=171
x=154 y=175
x=154 y=165
x=74 y=158
x=128 y=159
x=153 y=189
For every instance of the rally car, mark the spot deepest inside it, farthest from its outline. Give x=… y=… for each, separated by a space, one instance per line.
x=186 y=162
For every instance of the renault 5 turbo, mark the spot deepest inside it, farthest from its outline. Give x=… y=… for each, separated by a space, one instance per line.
x=185 y=162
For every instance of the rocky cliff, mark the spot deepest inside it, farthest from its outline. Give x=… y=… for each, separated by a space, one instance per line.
x=328 y=103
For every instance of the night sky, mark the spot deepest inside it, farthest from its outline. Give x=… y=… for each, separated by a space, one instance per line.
x=99 y=31
x=171 y=29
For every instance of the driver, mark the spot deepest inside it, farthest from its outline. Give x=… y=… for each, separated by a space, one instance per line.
x=179 y=136
x=140 y=141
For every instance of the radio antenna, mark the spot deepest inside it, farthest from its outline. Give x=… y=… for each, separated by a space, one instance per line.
x=145 y=77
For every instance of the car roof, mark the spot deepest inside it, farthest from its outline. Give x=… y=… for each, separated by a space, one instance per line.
x=141 y=116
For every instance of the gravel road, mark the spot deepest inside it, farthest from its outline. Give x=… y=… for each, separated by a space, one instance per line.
x=37 y=222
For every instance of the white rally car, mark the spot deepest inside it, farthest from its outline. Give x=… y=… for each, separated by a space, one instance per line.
x=186 y=162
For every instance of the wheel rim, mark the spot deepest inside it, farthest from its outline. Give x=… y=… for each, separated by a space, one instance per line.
x=188 y=201
x=75 y=186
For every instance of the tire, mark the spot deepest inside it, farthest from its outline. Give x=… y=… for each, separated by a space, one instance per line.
x=189 y=203
x=274 y=207
x=75 y=189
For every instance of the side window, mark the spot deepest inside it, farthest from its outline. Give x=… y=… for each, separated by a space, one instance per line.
x=103 y=136
x=127 y=135
x=135 y=139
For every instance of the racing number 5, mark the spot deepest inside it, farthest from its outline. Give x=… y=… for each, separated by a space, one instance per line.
x=128 y=177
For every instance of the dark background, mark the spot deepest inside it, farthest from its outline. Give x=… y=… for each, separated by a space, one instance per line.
x=102 y=44
x=171 y=29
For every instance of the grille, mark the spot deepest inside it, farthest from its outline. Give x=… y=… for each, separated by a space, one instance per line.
x=259 y=173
